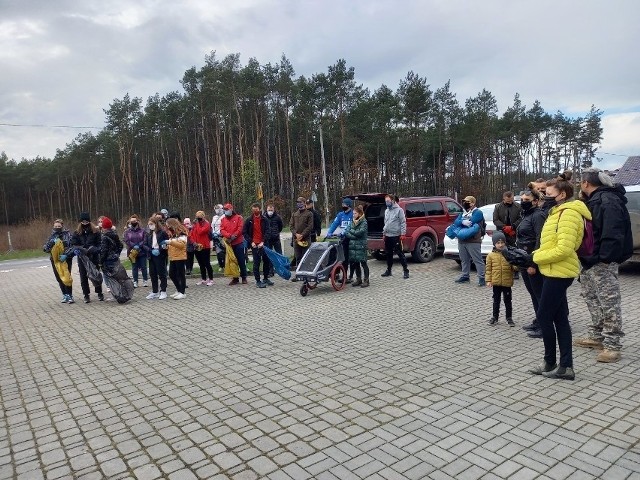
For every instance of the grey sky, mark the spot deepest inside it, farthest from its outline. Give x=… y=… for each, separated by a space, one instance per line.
x=63 y=62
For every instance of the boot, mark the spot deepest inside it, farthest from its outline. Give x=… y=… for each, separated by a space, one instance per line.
x=605 y=356
x=365 y=283
x=588 y=343
x=357 y=283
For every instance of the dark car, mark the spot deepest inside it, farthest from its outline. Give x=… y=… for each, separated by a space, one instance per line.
x=427 y=220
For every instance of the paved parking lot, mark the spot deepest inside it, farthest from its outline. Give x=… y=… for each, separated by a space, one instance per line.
x=401 y=380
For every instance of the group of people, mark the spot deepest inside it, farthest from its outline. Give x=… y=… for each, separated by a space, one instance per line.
x=562 y=239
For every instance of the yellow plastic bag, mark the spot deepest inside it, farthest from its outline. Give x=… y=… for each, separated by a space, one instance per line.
x=231 y=267
x=61 y=267
x=133 y=254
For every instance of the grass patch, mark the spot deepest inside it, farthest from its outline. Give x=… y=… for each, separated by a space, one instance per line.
x=23 y=254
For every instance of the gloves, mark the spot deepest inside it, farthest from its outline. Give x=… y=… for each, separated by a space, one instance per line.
x=136 y=247
x=508 y=230
x=62 y=258
x=466 y=222
x=164 y=242
x=233 y=237
x=155 y=252
x=76 y=251
x=58 y=241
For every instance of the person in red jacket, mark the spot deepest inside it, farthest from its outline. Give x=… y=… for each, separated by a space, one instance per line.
x=200 y=236
x=231 y=229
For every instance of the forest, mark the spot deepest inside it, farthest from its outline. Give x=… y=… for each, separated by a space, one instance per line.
x=236 y=131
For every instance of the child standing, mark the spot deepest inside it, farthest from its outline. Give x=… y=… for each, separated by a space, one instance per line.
x=499 y=275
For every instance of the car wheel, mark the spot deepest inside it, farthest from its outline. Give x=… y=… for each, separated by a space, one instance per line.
x=379 y=255
x=425 y=249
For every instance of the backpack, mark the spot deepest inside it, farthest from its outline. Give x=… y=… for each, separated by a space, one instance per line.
x=483 y=228
x=585 y=249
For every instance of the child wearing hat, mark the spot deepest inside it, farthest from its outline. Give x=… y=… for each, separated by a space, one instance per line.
x=499 y=275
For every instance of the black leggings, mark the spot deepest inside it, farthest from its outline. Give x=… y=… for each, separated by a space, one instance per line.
x=204 y=262
x=158 y=269
x=391 y=246
x=63 y=288
x=505 y=292
x=355 y=266
x=553 y=317
x=177 y=273
x=84 y=281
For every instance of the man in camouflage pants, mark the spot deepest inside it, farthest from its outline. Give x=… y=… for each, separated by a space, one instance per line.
x=613 y=244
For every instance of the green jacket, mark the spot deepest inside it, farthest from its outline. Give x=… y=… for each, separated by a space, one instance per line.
x=357 y=235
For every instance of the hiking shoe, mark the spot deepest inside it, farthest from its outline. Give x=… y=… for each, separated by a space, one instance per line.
x=268 y=282
x=406 y=274
x=86 y=299
x=493 y=321
x=135 y=284
x=530 y=327
x=70 y=299
x=152 y=295
x=386 y=273
x=244 y=281
x=535 y=333
x=162 y=296
x=482 y=282
x=209 y=283
x=544 y=367
x=101 y=297
x=605 y=356
x=201 y=282
x=462 y=280
x=260 y=284
x=561 y=373
x=588 y=343
x=234 y=281
x=510 y=322
x=357 y=283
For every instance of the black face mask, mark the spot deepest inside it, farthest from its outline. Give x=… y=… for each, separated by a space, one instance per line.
x=526 y=206
x=58 y=229
x=466 y=205
x=550 y=201
x=345 y=208
x=134 y=224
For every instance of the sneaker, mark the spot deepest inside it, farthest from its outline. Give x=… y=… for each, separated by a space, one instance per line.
x=357 y=283
x=493 y=321
x=535 y=333
x=260 y=284
x=152 y=295
x=510 y=322
x=244 y=281
x=387 y=273
x=174 y=295
x=209 y=283
x=70 y=299
x=234 y=281
x=162 y=296
x=135 y=284
x=561 y=373
x=365 y=283
x=87 y=299
x=406 y=274
x=462 y=280
x=180 y=296
x=482 y=282
x=65 y=299
x=605 y=356
x=588 y=343
x=145 y=284
x=543 y=368
x=268 y=282
x=530 y=327
x=201 y=282
x=101 y=296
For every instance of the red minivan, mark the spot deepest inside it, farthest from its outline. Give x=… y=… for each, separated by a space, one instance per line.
x=427 y=220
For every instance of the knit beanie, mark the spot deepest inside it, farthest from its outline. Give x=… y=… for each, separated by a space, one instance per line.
x=106 y=223
x=497 y=236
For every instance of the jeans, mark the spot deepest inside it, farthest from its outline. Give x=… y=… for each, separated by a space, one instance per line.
x=259 y=257
x=391 y=246
x=139 y=264
x=66 y=290
x=471 y=252
x=553 y=318
x=204 y=262
x=238 y=251
x=158 y=270
x=177 y=273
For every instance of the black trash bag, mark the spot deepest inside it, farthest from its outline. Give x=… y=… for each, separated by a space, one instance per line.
x=517 y=257
x=119 y=283
x=92 y=270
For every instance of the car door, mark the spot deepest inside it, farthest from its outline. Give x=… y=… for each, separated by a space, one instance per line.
x=437 y=218
x=416 y=216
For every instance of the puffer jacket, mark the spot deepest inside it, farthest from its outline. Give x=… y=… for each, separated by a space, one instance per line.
x=64 y=236
x=561 y=237
x=177 y=247
x=530 y=228
x=499 y=272
x=110 y=247
x=357 y=235
x=132 y=237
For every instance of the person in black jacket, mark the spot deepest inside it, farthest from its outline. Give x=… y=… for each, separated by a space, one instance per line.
x=528 y=232
x=87 y=236
x=317 y=221
x=157 y=258
x=60 y=234
x=613 y=244
x=506 y=217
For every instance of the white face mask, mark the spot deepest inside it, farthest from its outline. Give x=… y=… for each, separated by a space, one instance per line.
x=219 y=211
x=270 y=213
x=152 y=227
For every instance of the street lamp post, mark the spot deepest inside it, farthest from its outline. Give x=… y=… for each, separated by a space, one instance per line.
x=324 y=177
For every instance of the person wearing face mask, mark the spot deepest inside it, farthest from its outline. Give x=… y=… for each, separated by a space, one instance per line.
x=60 y=234
x=134 y=239
x=87 y=236
x=506 y=217
x=613 y=244
x=339 y=226
x=231 y=230
x=393 y=232
x=301 y=225
x=317 y=221
x=273 y=227
x=190 y=248
x=153 y=241
x=216 y=222
x=471 y=248
x=200 y=236
x=254 y=232
x=528 y=239
x=357 y=234
x=558 y=263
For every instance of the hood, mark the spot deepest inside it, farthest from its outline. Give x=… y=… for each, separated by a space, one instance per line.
x=577 y=205
x=617 y=189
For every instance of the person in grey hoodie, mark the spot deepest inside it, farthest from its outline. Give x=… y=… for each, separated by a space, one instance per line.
x=393 y=232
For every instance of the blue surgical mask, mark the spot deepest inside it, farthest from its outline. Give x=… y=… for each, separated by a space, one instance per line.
x=300 y=206
x=228 y=212
x=388 y=203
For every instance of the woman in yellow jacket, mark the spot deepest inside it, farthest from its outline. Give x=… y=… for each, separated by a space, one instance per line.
x=559 y=265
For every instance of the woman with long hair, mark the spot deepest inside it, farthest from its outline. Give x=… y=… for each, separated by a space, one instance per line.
x=157 y=258
x=176 y=246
